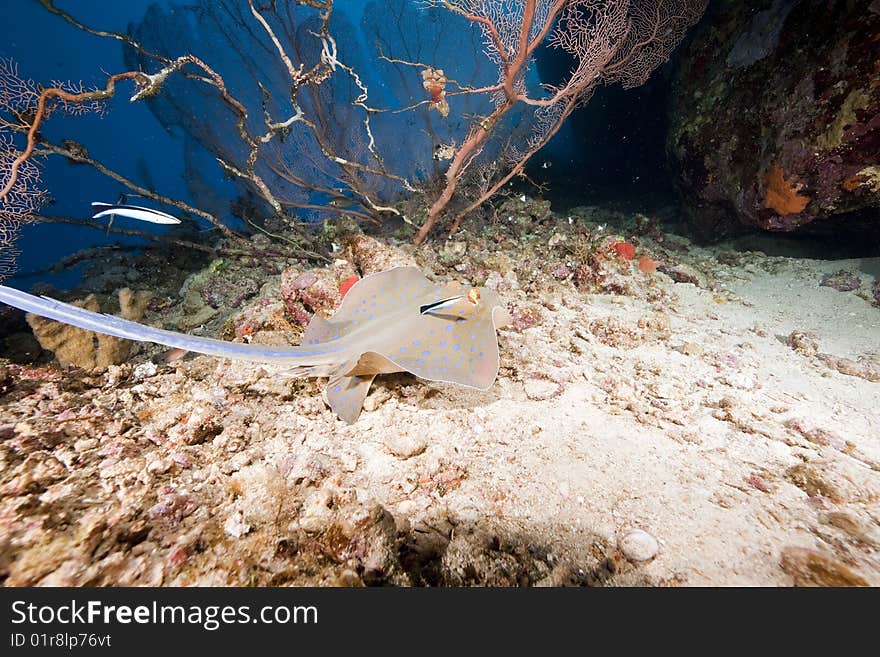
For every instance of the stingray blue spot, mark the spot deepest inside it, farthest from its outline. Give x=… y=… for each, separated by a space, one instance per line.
x=436 y=362
x=473 y=337
x=416 y=343
x=458 y=365
x=356 y=379
x=473 y=349
x=470 y=360
x=373 y=305
x=448 y=328
x=445 y=358
x=363 y=301
x=403 y=350
x=445 y=369
x=336 y=389
x=373 y=296
x=431 y=332
x=456 y=347
x=442 y=343
x=426 y=353
x=420 y=361
x=336 y=336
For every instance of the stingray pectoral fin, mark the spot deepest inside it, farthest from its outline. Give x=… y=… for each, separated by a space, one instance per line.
x=346 y=394
x=350 y=384
x=501 y=317
x=371 y=362
x=318 y=330
x=380 y=293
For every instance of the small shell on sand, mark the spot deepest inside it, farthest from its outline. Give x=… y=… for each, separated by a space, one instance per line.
x=404 y=446
x=637 y=545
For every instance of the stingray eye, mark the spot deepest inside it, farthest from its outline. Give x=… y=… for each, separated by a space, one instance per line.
x=473 y=296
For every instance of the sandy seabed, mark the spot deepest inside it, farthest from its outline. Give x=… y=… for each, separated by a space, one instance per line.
x=711 y=423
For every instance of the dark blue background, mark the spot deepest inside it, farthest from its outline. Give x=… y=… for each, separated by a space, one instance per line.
x=127 y=138
x=612 y=150
x=47 y=48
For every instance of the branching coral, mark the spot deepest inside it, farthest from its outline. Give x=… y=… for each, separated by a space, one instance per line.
x=24 y=107
x=21 y=202
x=608 y=41
x=288 y=117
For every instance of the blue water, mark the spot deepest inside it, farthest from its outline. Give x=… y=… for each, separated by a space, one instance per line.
x=169 y=144
x=127 y=138
x=51 y=49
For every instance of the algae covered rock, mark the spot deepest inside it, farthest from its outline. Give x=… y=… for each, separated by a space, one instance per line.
x=74 y=346
x=775 y=118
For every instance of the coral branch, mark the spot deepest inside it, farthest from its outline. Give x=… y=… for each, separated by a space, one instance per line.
x=290 y=119
x=77 y=153
x=609 y=41
x=47 y=95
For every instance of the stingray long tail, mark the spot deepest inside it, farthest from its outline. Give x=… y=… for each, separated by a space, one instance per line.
x=305 y=359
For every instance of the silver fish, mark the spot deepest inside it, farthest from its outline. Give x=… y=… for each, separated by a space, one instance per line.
x=133 y=212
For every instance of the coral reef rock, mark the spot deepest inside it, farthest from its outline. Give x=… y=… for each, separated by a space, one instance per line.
x=73 y=346
x=775 y=118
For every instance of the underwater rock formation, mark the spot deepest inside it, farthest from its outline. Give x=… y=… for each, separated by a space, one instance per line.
x=775 y=118
x=73 y=346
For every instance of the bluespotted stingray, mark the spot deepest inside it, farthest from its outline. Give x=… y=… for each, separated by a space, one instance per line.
x=392 y=321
